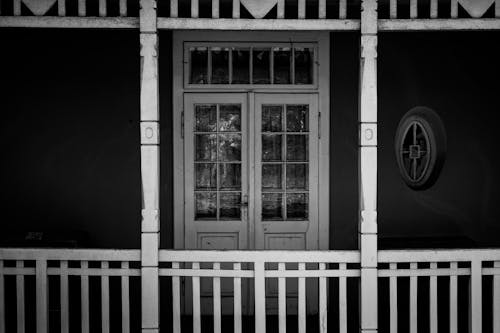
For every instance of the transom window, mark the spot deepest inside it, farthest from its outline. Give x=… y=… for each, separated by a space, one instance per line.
x=276 y=64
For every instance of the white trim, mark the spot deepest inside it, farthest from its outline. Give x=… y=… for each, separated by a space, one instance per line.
x=438 y=24
x=225 y=24
x=322 y=38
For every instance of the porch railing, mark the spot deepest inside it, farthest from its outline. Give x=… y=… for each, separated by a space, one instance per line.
x=74 y=274
x=446 y=280
x=307 y=268
x=448 y=283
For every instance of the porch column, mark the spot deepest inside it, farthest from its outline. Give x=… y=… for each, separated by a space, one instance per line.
x=368 y=166
x=150 y=228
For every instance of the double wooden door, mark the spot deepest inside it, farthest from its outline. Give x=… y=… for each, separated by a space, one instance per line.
x=251 y=174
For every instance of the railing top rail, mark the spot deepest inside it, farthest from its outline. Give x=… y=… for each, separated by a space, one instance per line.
x=69 y=254
x=260 y=256
x=435 y=255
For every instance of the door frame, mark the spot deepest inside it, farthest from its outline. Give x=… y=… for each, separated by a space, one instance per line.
x=321 y=87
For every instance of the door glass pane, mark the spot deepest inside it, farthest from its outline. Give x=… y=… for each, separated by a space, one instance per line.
x=261 y=66
x=206 y=176
x=230 y=176
x=230 y=207
x=297 y=206
x=297 y=147
x=282 y=57
x=229 y=147
x=206 y=205
x=297 y=177
x=271 y=176
x=220 y=65
x=297 y=118
x=271 y=147
x=272 y=206
x=272 y=118
x=199 y=65
x=206 y=117
x=241 y=66
x=206 y=147
x=230 y=118
x=304 y=65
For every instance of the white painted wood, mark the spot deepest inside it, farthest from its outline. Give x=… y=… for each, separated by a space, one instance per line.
x=68 y=22
x=17 y=7
x=496 y=300
x=342 y=301
x=251 y=256
x=102 y=8
x=42 y=297
x=69 y=254
x=84 y=297
x=393 y=300
x=322 y=9
x=323 y=309
x=453 y=299
x=302 y=301
x=413 y=8
x=433 y=310
x=454 y=9
x=123 y=7
x=393 y=9
x=282 y=299
x=237 y=300
x=104 y=300
x=281 y=9
x=302 y=9
x=2 y=297
x=424 y=272
x=125 y=295
x=410 y=255
x=236 y=9
x=194 y=9
x=61 y=7
x=260 y=297
x=434 y=9
x=475 y=300
x=257 y=24
x=196 y=301
x=64 y=297
x=150 y=297
x=82 y=7
x=20 y=298
x=216 y=299
x=413 y=300
x=215 y=8
x=439 y=24
x=342 y=9
x=176 y=301
x=174 y=8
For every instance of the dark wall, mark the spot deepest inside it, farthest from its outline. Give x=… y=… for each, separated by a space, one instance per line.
x=70 y=135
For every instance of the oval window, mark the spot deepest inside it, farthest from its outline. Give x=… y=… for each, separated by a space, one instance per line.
x=420 y=147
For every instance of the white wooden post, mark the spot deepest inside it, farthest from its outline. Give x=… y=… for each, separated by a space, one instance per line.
x=150 y=229
x=368 y=166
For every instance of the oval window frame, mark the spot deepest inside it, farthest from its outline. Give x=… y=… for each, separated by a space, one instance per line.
x=426 y=143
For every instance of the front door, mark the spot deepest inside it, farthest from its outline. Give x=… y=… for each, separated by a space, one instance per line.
x=251 y=175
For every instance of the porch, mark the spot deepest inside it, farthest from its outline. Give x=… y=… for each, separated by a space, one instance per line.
x=362 y=290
